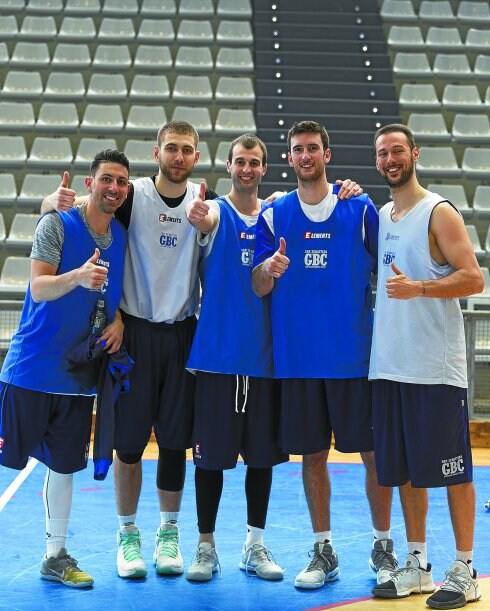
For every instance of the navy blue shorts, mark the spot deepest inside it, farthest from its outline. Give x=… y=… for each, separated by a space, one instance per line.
x=231 y=419
x=311 y=408
x=161 y=393
x=55 y=429
x=421 y=434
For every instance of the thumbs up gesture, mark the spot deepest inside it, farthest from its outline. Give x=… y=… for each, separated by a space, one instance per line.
x=401 y=286
x=276 y=265
x=64 y=197
x=91 y=275
x=200 y=213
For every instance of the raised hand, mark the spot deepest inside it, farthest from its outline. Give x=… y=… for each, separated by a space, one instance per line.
x=90 y=275
x=276 y=265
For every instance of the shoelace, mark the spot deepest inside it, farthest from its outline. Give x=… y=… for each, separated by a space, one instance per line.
x=385 y=560
x=320 y=561
x=169 y=543
x=456 y=582
x=131 y=546
x=208 y=556
x=261 y=553
x=72 y=564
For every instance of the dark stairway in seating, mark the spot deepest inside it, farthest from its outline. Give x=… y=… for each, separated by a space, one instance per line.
x=324 y=60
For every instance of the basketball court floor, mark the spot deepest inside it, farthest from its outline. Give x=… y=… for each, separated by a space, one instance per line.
x=92 y=541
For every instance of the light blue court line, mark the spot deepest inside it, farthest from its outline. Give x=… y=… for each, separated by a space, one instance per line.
x=17 y=483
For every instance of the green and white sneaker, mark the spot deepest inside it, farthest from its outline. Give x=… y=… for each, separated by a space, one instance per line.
x=130 y=563
x=167 y=557
x=259 y=560
x=64 y=569
x=205 y=563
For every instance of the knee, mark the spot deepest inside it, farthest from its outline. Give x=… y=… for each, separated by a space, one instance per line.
x=129 y=458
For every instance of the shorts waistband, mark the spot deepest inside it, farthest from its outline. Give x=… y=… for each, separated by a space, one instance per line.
x=187 y=322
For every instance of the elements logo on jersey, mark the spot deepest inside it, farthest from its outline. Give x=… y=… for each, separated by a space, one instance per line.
x=388 y=258
x=247 y=250
x=164 y=218
x=168 y=240
x=391 y=236
x=2 y=441
x=197 y=451
x=316 y=259
x=452 y=466
x=105 y=264
x=311 y=235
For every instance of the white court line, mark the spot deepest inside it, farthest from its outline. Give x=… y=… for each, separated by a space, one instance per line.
x=15 y=485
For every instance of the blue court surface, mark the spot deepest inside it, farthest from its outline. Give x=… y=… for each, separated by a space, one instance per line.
x=93 y=542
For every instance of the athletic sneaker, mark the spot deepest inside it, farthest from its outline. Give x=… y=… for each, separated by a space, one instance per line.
x=383 y=559
x=205 y=563
x=259 y=560
x=410 y=579
x=130 y=563
x=167 y=557
x=459 y=587
x=323 y=567
x=64 y=568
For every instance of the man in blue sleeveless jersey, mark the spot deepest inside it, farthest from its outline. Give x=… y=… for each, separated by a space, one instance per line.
x=316 y=256
x=77 y=260
x=159 y=302
x=420 y=414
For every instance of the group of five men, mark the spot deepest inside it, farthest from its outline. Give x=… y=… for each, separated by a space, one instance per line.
x=281 y=354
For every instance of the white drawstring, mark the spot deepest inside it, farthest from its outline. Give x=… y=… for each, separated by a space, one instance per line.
x=244 y=393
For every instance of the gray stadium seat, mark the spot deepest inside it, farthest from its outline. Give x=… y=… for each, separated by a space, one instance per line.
x=19 y=84
x=482 y=67
x=452 y=66
x=77 y=29
x=50 y=153
x=149 y=88
x=480 y=253
x=30 y=55
x=461 y=98
x=108 y=87
x=8 y=190
x=140 y=155
x=198 y=116
x=438 y=162
x=481 y=203
x=88 y=148
x=192 y=88
x=129 y=8
x=16 y=116
x=102 y=119
x=234 y=9
x=436 y=11
x=478 y=40
x=235 y=90
x=82 y=7
x=13 y=152
x=205 y=161
x=193 y=59
x=476 y=163
x=64 y=86
x=71 y=56
x=116 y=30
x=196 y=9
x=35 y=187
x=429 y=127
x=405 y=38
x=471 y=128
x=156 y=31
x=112 y=57
x=4 y=54
x=44 y=7
x=194 y=31
x=158 y=8
x=38 y=27
x=474 y=13
x=15 y=276
x=414 y=65
x=21 y=231
x=234 y=60
x=418 y=96
x=145 y=120
x=13 y=6
x=456 y=195
x=398 y=11
x=57 y=117
x=8 y=27
x=444 y=39
x=153 y=58
x=3 y=233
x=221 y=156
x=234 y=122
x=223 y=186
x=234 y=33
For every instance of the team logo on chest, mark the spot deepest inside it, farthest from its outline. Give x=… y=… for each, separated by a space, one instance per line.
x=247 y=248
x=164 y=218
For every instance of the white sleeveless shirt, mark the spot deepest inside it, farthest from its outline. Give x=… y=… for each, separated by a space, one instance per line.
x=419 y=340
x=161 y=282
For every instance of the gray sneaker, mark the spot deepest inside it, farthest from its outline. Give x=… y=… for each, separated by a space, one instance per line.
x=410 y=579
x=323 y=567
x=64 y=569
x=459 y=588
x=259 y=560
x=205 y=563
x=383 y=560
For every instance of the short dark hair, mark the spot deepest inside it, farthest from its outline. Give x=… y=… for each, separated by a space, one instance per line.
x=179 y=127
x=109 y=156
x=302 y=127
x=248 y=141
x=396 y=127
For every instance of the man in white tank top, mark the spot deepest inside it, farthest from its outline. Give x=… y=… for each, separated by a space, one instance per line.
x=418 y=365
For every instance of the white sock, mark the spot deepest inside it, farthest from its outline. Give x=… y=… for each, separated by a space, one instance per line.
x=324 y=536
x=466 y=557
x=167 y=517
x=380 y=535
x=254 y=535
x=127 y=522
x=57 y=497
x=419 y=550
